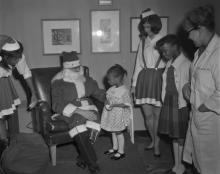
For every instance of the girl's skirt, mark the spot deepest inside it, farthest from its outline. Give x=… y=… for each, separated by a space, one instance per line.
x=148 y=87
x=173 y=122
x=8 y=97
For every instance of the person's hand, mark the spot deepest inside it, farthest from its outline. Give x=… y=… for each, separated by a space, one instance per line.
x=90 y=115
x=33 y=102
x=108 y=107
x=186 y=91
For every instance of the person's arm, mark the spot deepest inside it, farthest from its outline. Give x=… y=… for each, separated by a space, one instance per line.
x=186 y=89
x=137 y=67
x=125 y=104
x=33 y=93
x=213 y=102
x=57 y=97
x=24 y=70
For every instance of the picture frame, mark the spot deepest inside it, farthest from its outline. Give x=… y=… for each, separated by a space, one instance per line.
x=60 y=35
x=105 y=31
x=134 y=21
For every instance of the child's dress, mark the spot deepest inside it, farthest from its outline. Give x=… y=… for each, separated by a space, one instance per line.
x=118 y=119
x=8 y=95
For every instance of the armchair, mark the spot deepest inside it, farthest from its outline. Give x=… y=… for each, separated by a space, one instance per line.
x=42 y=112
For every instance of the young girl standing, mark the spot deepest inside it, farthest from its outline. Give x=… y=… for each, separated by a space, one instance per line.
x=117 y=114
x=147 y=77
x=174 y=116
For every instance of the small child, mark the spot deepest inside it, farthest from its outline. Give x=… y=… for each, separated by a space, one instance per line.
x=117 y=114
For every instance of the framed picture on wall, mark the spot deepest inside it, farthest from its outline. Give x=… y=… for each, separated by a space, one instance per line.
x=135 y=32
x=60 y=35
x=105 y=31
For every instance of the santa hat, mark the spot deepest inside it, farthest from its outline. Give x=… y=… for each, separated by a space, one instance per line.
x=70 y=59
x=8 y=44
x=13 y=45
x=147 y=12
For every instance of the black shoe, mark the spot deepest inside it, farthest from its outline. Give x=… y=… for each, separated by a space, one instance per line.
x=81 y=164
x=110 y=151
x=157 y=155
x=121 y=155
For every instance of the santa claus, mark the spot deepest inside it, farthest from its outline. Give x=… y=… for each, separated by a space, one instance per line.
x=71 y=92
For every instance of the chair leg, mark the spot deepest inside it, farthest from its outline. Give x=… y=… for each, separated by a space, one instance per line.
x=53 y=154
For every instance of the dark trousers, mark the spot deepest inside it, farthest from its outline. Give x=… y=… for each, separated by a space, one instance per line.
x=86 y=151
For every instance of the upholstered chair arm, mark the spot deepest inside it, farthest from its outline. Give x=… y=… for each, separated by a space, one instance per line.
x=43 y=115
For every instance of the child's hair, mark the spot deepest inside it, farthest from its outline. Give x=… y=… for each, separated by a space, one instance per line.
x=171 y=39
x=117 y=70
x=8 y=54
x=200 y=16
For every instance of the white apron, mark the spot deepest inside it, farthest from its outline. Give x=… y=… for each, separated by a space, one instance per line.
x=202 y=146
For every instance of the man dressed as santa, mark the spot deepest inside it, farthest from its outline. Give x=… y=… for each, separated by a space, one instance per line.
x=71 y=90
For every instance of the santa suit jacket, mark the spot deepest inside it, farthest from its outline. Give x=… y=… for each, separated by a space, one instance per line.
x=69 y=95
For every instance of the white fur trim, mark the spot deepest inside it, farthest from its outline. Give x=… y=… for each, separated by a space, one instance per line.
x=71 y=64
x=148 y=101
x=147 y=13
x=11 y=46
x=76 y=130
x=69 y=109
x=10 y=110
x=93 y=125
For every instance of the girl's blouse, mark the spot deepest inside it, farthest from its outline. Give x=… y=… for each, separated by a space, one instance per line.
x=181 y=74
x=151 y=56
x=21 y=66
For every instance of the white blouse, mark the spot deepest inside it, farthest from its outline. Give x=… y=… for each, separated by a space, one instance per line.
x=181 y=74
x=151 y=56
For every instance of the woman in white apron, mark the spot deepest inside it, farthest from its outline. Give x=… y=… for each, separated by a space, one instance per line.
x=202 y=145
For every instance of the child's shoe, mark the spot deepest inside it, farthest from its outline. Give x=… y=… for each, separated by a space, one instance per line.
x=118 y=156
x=110 y=151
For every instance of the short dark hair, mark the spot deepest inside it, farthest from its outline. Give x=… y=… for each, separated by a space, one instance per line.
x=154 y=21
x=171 y=39
x=200 y=16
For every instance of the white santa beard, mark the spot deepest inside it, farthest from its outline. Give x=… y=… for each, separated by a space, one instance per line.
x=71 y=76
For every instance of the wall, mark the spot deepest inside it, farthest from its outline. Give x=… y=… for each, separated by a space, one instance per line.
x=1 y=14
x=216 y=4
x=22 y=19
